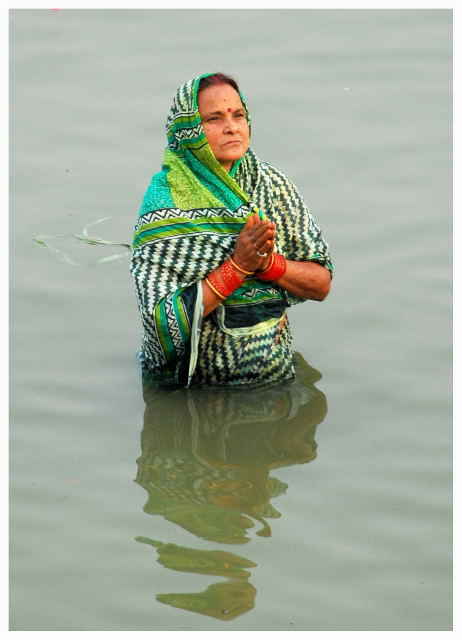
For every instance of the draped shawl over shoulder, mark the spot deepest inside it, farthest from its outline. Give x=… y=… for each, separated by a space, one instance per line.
x=190 y=217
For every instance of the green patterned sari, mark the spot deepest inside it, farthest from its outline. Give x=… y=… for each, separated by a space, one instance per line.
x=189 y=220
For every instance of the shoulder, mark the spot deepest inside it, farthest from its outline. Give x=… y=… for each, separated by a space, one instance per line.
x=157 y=194
x=281 y=185
x=158 y=179
x=276 y=175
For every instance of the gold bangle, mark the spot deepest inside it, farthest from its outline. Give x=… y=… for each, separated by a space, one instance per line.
x=213 y=289
x=249 y=273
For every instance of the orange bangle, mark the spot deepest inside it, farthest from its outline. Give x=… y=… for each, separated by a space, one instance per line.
x=214 y=290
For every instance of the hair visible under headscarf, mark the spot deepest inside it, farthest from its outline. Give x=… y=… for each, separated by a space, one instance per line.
x=217 y=79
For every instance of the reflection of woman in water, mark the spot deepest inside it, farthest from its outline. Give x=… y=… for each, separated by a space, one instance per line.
x=223 y=245
x=205 y=463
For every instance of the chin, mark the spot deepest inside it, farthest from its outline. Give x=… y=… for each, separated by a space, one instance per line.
x=236 y=156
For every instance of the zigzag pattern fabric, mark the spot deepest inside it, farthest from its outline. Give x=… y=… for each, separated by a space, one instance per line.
x=188 y=223
x=232 y=360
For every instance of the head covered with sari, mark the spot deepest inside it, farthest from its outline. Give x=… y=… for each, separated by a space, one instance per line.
x=188 y=223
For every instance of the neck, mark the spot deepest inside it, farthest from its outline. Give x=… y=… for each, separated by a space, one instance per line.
x=227 y=166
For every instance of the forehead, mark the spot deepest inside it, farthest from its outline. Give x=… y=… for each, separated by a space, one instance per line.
x=219 y=97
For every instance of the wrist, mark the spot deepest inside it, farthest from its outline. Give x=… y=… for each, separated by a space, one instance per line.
x=224 y=280
x=239 y=274
x=241 y=268
x=276 y=269
x=267 y=263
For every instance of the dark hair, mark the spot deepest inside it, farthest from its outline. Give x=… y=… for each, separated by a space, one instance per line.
x=216 y=79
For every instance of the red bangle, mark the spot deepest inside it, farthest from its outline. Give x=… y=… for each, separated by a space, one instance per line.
x=276 y=269
x=217 y=286
x=269 y=267
x=229 y=276
x=213 y=289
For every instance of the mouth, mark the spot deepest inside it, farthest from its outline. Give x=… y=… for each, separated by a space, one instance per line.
x=232 y=142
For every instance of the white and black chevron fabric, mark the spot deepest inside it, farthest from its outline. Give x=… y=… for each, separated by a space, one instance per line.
x=230 y=360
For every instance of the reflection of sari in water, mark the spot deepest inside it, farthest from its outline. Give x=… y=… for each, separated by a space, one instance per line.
x=205 y=463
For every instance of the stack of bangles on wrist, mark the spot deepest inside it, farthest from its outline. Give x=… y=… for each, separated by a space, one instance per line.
x=276 y=269
x=230 y=279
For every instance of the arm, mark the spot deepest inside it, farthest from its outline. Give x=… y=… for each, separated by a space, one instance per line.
x=305 y=279
x=210 y=298
x=309 y=266
x=308 y=280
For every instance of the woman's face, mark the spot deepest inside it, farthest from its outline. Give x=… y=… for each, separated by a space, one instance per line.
x=225 y=123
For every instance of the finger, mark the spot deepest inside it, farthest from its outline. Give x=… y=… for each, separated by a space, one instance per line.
x=270 y=234
x=253 y=220
x=257 y=231
x=271 y=229
x=261 y=242
x=265 y=248
x=267 y=237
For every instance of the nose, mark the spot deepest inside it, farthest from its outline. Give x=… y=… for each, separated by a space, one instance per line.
x=230 y=125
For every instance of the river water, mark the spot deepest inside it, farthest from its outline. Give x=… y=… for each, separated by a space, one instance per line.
x=323 y=505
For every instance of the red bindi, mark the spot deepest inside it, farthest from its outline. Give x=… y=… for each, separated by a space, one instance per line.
x=229 y=109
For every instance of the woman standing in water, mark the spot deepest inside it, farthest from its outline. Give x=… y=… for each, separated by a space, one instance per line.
x=223 y=245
